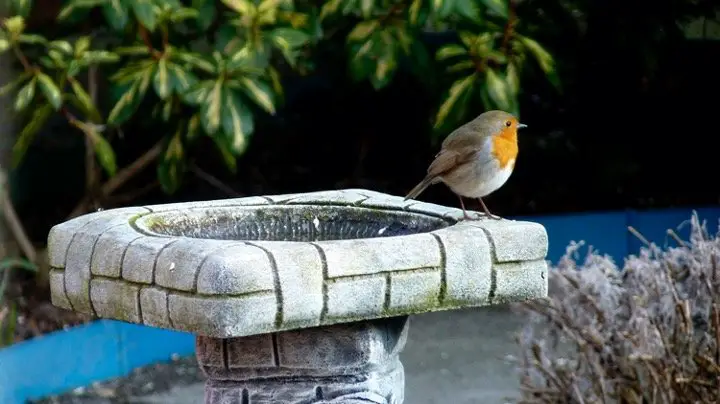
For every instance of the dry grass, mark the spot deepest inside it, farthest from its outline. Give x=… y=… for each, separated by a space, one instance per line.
x=648 y=332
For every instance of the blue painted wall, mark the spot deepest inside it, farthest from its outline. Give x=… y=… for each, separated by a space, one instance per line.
x=105 y=349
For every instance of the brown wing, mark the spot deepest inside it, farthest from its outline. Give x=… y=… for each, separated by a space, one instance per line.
x=447 y=160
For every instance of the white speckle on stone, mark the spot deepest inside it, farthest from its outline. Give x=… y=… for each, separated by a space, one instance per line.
x=172 y=266
x=79 y=390
x=316 y=222
x=381 y=231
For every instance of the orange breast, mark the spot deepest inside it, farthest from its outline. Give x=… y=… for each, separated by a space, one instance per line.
x=505 y=146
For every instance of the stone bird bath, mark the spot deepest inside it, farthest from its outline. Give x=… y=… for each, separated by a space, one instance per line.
x=299 y=298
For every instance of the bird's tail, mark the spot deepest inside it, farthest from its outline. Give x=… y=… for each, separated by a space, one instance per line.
x=419 y=188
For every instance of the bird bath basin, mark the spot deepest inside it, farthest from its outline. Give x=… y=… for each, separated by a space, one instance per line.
x=298 y=298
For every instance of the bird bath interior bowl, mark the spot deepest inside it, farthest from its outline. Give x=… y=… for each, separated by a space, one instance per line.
x=280 y=269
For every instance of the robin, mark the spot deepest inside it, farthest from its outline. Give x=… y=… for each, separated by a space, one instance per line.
x=475 y=159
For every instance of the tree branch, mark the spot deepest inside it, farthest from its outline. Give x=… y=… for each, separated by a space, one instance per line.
x=14 y=223
x=120 y=178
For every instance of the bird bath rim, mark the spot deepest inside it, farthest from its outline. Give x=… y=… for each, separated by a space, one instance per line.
x=287 y=223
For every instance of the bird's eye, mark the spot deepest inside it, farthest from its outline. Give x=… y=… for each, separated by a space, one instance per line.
x=508 y=123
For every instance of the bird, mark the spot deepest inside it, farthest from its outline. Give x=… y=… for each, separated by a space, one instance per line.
x=476 y=159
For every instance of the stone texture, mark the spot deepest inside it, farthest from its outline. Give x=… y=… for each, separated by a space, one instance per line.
x=346 y=363
x=211 y=280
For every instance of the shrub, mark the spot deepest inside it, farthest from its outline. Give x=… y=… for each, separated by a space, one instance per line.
x=648 y=332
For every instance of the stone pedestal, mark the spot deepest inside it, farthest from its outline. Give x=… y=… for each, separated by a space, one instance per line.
x=346 y=363
x=297 y=298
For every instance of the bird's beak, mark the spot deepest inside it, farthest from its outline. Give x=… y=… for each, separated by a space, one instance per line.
x=522 y=126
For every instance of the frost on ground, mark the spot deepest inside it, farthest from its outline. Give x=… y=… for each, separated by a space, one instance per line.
x=648 y=332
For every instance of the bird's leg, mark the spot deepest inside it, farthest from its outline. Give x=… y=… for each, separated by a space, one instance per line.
x=487 y=211
x=466 y=216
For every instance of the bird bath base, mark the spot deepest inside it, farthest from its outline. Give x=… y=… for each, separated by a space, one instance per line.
x=298 y=298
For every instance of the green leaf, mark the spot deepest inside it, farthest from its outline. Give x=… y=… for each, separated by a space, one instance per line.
x=50 y=90
x=198 y=93
x=206 y=12
x=15 y=25
x=86 y=102
x=82 y=45
x=116 y=13
x=237 y=121
x=211 y=110
x=12 y=85
x=99 y=57
x=544 y=59
x=22 y=7
x=223 y=145
x=460 y=66
x=172 y=164
x=161 y=81
x=259 y=92
x=128 y=103
x=289 y=38
x=244 y=7
x=25 y=95
x=4 y=45
x=449 y=51
x=181 y=79
x=457 y=90
x=468 y=9
x=363 y=30
x=512 y=77
x=144 y=11
x=61 y=46
x=196 y=61
x=498 y=90
x=31 y=39
x=17 y=263
x=499 y=7
x=103 y=150
x=366 y=7
x=37 y=121
x=137 y=50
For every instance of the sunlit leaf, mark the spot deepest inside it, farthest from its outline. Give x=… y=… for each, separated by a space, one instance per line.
x=363 y=30
x=330 y=7
x=31 y=39
x=38 y=119
x=544 y=59
x=171 y=167
x=88 y=106
x=50 y=90
x=499 y=7
x=25 y=95
x=498 y=90
x=193 y=127
x=289 y=38
x=4 y=45
x=457 y=90
x=244 y=7
x=181 y=79
x=385 y=67
x=161 y=81
x=196 y=61
x=137 y=50
x=211 y=109
x=460 y=66
x=237 y=121
x=103 y=150
x=198 y=93
x=62 y=46
x=366 y=7
x=116 y=13
x=512 y=77
x=259 y=92
x=15 y=25
x=414 y=11
x=131 y=98
x=449 y=51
